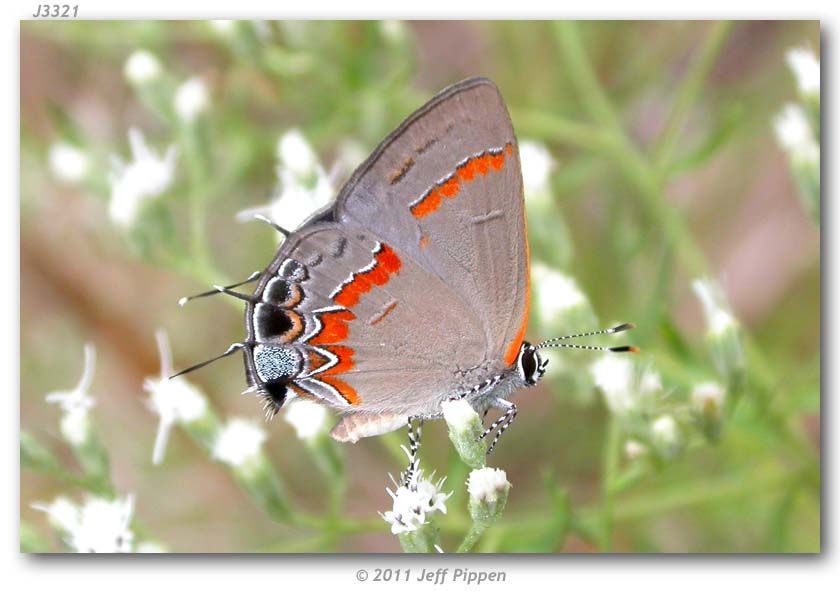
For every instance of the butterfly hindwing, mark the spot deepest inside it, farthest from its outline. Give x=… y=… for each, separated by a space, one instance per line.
x=361 y=325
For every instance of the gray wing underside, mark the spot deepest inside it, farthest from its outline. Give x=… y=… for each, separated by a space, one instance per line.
x=476 y=241
x=410 y=336
x=460 y=299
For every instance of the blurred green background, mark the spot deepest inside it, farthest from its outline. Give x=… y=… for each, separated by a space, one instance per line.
x=666 y=170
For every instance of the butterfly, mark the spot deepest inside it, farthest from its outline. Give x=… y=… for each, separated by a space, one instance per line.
x=412 y=288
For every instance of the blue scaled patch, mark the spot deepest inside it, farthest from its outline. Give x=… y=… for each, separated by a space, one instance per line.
x=276 y=362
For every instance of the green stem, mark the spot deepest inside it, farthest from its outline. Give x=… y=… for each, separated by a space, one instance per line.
x=471 y=539
x=611 y=459
x=583 y=78
x=688 y=91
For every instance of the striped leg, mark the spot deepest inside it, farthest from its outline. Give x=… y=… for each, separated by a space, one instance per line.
x=502 y=423
x=407 y=478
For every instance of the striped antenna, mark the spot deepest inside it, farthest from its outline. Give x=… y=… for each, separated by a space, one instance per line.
x=552 y=343
x=233 y=348
x=254 y=276
x=598 y=348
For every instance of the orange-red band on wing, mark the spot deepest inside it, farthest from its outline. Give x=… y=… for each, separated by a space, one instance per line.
x=386 y=263
x=344 y=354
x=465 y=172
x=512 y=350
x=334 y=328
x=346 y=390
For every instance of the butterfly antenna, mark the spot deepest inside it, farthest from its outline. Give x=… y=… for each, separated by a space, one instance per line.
x=233 y=348
x=586 y=347
x=253 y=277
x=616 y=329
x=264 y=219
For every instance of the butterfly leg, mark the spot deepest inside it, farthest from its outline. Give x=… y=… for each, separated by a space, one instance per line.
x=502 y=423
x=413 y=452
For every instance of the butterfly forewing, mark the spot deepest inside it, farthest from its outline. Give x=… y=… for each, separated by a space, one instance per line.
x=446 y=189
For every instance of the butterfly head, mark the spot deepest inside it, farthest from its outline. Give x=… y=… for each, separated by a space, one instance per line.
x=530 y=365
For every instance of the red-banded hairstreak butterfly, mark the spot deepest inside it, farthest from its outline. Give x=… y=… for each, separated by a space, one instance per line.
x=412 y=288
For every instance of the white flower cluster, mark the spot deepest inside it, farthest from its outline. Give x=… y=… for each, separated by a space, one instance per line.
x=239 y=443
x=67 y=162
x=98 y=525
x=487 y=485
x=795 y=136
x=304 y=187
x=537 y=164
x=413 y=501
x=626 y=388
x=557 y=295
x=309 y=419
x=76 y=403
x=191 y=99
x=806 y=69
x=719 y=317
x=176 y=401
x=142 y=67
x=135 y=183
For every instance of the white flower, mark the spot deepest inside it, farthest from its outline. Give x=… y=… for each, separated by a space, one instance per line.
x=75 y=426
x=79 y=397
x=295 y=154
x=150 y=548
x=719 y=319
x=222 y=26
x=304 y=186
x=62 y=513
x=191 y=99
x=664 y=430
x=634 y=449
x=487 y=485
x=393 y=31
x=146 y=177
x=556 y=293
x=614 y=375
x=67 y=162
x=308 y=418
x=174 y=400
x=650 y=383
x=413 y=501
x=537 y=164
x=238 y=443
x=794 y=134
x=99 y=525
x=806 y=68
x=460 y=415
x=76 y=403
x=707 y=395
x=141 y=67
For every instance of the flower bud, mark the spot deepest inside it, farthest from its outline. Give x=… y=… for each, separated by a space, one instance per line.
x=707 y=400
x=666 y=436
x=465 y=429
x=722 y=330
x=488 y=489
x=191 y=99
x=142 y=67
x=239 y=445
x=309 y=419
x=67 y=162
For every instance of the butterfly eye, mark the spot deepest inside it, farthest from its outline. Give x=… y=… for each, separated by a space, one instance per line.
x=528 y=364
